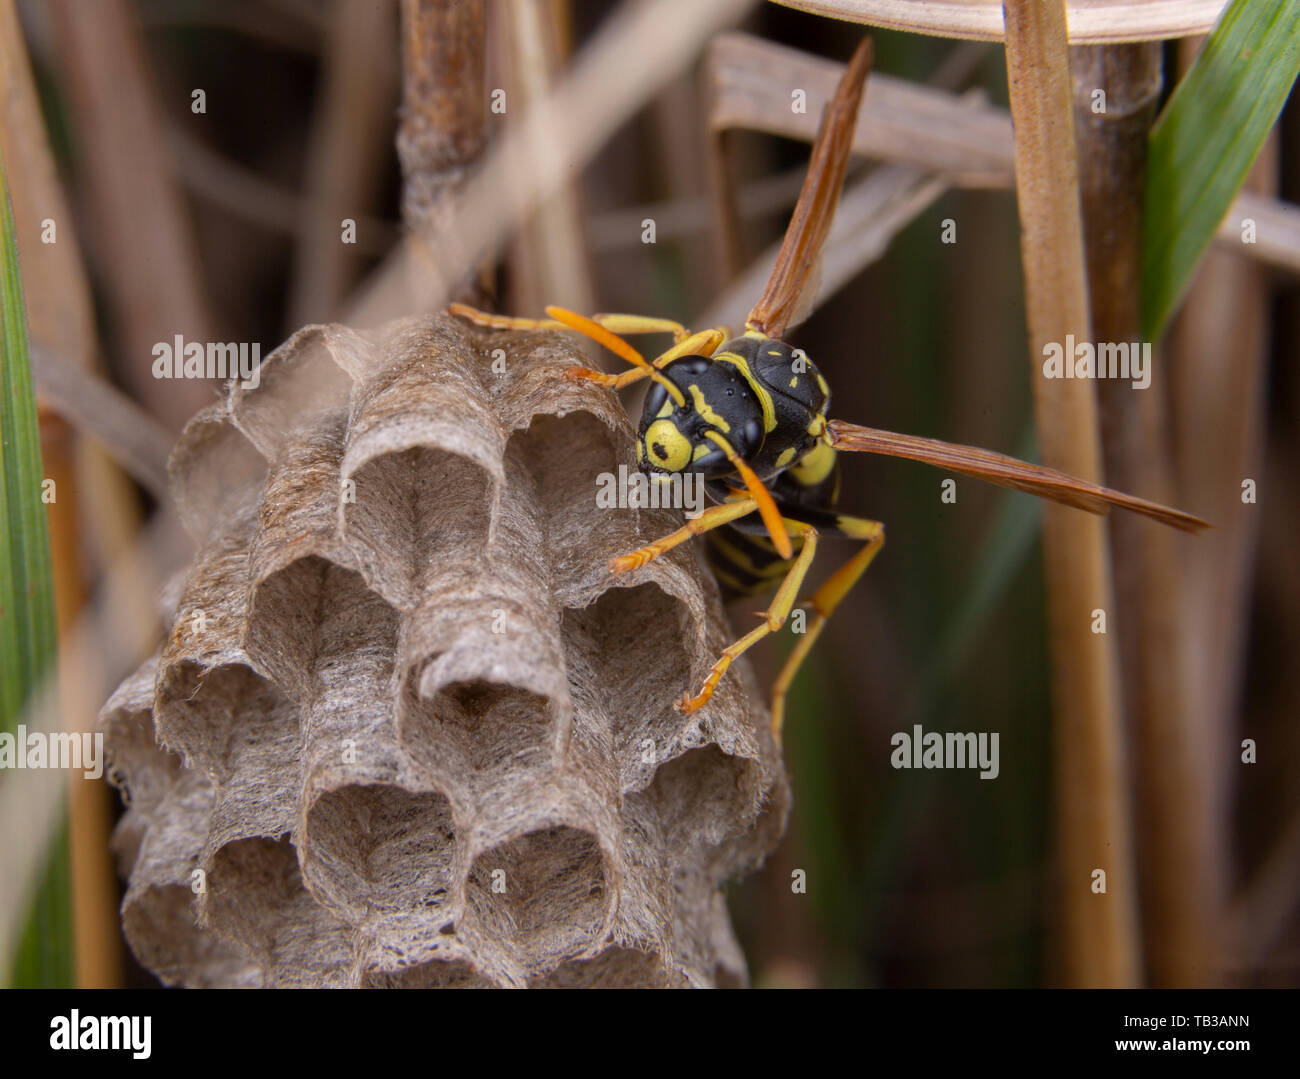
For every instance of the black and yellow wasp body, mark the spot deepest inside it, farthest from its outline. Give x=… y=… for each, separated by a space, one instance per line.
x=750 y=414
x=771 y=403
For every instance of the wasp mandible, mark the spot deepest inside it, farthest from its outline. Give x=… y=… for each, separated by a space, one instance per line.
x=749 y=413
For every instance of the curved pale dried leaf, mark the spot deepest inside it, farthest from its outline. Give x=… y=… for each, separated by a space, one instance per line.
x=1091 y=21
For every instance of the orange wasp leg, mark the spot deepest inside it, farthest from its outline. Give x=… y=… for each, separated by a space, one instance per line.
x=823 y=602
x=703 y=343
x=620 y=324
x=773 y=618
x=711 y=518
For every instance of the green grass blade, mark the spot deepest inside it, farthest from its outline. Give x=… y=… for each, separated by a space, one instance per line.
x=28 y=635
x=1206 y=140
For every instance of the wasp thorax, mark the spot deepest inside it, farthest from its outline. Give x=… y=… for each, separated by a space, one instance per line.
x=698 y=403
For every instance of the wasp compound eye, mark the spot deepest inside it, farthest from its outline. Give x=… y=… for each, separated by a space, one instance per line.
x=666 y=447
x=655 y=399
x=690 y=365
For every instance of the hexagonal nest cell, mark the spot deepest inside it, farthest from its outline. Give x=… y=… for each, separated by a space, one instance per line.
x=406 y=730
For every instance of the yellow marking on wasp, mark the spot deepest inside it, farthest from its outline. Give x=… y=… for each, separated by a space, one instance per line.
x=734 y=583
x=666 y=410
x=857 y=528
x=775 y=566
x=774 y=352
x=794 y=382
x=815 y=465
x=738 y=557
x=787 y=455
x=706 y=410
x=823 y=386
x=667 y=446
x=764 y=398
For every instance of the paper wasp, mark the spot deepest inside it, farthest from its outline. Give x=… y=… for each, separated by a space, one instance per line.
x=750 y=414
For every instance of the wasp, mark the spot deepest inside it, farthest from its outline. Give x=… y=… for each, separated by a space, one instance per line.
x=750 y=414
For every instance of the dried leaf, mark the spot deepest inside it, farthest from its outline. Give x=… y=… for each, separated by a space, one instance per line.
x=1090 y=21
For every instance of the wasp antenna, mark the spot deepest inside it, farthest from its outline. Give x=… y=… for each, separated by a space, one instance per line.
x=781 y=303
x=760 y=494
x=1005 y=471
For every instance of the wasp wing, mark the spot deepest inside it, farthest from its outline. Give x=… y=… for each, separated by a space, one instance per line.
x=779 y=306
x=1004 y=471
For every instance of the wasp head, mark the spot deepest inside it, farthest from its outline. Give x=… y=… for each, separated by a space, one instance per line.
x=676 y=422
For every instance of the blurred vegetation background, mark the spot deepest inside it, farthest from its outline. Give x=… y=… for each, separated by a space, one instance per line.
x=914 y=878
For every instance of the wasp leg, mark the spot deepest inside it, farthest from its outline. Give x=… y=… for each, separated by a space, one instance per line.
x=773 y=618
x=824 y=601
x=619 y=324
x=711 y=518
x=633 y=324
x=704 y=343
x=502 y=322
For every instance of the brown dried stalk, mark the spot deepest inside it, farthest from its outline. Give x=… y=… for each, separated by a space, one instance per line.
x=1099 y=940
x=143 y=240
x=1179 y=916
x=967 y=141
x=442 y=131
x=871 y=213
x=1227 y=314
x=637 y=49
x=548 y=260
x=351 y=132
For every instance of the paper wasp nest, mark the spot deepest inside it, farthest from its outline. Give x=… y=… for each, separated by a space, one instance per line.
x=406 y=730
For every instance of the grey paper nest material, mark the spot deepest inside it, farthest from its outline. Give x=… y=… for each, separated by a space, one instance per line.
x=406 y=730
